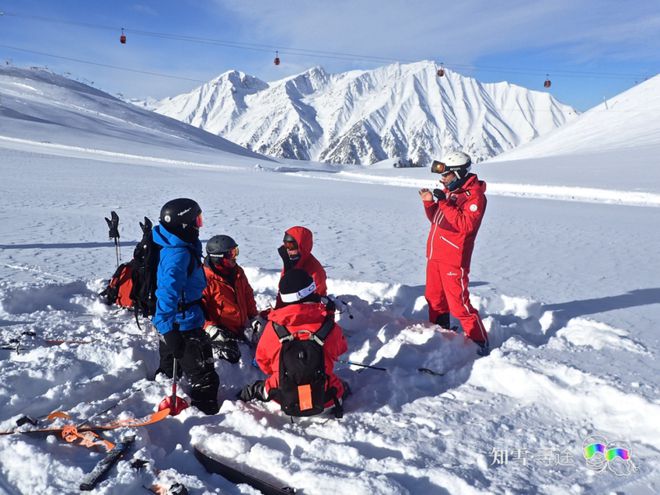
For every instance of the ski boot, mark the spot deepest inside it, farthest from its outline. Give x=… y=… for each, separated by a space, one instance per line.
x=483 y=348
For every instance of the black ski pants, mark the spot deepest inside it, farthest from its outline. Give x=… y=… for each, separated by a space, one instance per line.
x=198 y=366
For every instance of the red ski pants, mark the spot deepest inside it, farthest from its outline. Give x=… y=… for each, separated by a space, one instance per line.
x=447 y=292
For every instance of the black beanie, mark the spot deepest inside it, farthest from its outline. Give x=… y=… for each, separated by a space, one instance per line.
x=296 y=285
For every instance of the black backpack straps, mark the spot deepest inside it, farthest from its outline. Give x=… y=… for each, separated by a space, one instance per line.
x=194 y=260
x=282 y=333
x=322 y=333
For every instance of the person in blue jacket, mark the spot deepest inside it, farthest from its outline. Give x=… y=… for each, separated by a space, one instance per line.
x=179 y=318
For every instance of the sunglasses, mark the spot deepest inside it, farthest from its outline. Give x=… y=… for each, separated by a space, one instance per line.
x=291 y=245
x=199 y=221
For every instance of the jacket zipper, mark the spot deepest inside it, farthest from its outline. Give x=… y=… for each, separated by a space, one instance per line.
x=435 y=227
x=449 y=242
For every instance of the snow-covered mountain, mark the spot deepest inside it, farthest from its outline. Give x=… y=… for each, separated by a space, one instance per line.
x=366 y=116
x=626 y=121
x=619 y=139
x=56 y=111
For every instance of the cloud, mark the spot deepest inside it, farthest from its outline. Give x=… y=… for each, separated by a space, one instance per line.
x=144 y=9
x=458 y=32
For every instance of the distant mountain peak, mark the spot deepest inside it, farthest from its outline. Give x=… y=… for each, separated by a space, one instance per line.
x=364 y=116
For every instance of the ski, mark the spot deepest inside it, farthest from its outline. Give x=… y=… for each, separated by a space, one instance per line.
x=213 y=464
x=112 y=425
x=97 y=474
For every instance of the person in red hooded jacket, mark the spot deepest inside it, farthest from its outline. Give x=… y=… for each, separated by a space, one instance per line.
x=455 y=215
x=228 y=300
x=302 y=314
x=296 y=252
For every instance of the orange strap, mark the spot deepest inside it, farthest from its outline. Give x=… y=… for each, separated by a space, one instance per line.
x=87 y=439
x=58 y=414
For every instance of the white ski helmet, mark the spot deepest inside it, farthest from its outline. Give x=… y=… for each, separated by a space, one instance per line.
x=455 y=161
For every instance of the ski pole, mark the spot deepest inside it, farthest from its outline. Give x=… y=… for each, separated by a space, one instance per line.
x=117 y=251
x=361 y=365
x=113 y=232
x=174 y=384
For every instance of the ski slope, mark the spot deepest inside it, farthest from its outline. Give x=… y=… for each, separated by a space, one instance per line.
x=566 y=286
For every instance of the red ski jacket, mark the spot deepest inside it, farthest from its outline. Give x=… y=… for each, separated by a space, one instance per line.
x=455 y=223
x=225 y=305
x=307 y=261
x=303 y=316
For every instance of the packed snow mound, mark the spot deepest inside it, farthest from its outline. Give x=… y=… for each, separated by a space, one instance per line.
x=363 y=117
x=628 y=121
x=38 y=105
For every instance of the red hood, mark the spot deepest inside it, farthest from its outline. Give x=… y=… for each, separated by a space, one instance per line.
x=299 y=315
x=305 y=240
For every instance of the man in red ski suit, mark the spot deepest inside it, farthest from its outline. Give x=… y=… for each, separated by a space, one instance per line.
x=455 y=213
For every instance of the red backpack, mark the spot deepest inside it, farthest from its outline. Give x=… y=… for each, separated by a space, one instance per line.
x=133 y=285
x=120 y=286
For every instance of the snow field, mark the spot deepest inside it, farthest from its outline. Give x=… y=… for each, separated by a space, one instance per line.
x=390 y=440
x=567 y=289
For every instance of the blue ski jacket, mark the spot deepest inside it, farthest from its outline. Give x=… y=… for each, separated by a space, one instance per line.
x=177 y=288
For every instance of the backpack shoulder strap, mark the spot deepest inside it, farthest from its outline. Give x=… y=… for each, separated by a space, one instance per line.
x=322 y=333
x=194 y=261
x=282 y=332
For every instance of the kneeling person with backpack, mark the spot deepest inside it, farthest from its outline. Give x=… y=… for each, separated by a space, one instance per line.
x=179 y=317
x=298 y=349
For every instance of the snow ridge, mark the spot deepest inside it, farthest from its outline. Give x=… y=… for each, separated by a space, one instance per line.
x=361 y=117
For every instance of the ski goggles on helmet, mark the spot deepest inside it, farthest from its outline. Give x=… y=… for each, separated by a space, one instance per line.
x=438 y=167
x=231 y=254
x=199 y=221
x=301 y=294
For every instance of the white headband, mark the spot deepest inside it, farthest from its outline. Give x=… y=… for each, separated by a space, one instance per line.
x=301 y=294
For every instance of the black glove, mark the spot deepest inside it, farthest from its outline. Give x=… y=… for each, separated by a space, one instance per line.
x=288 y=264
x=330 y=305
x=146 y=226
x=439 y=194
x=175 y=343
x=113 y=225
x=225 y=344
x=255 y=391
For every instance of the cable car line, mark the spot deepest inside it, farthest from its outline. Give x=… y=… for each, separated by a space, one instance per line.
x=352 y=57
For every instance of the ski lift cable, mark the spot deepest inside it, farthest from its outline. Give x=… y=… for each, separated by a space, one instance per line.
x=353 y=57
x=169 y=76
x=99 y=64
x=201 y=81
x=212 y=41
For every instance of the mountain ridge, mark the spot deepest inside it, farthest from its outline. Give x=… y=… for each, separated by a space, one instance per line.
x=365 y=116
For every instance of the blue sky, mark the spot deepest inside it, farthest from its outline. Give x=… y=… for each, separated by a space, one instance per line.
x=591 y=48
